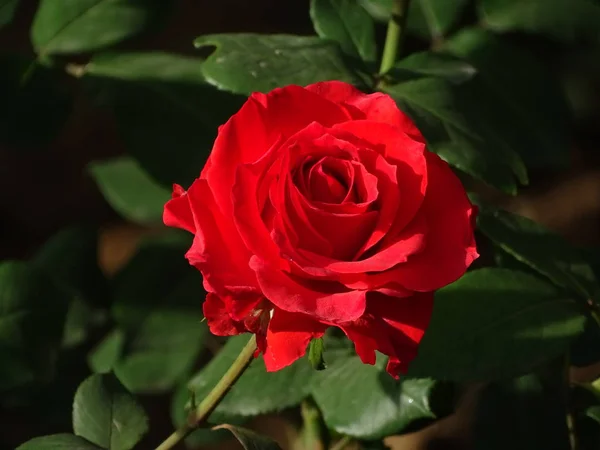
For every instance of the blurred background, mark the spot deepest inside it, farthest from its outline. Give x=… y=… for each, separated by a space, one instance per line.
x=50 y=132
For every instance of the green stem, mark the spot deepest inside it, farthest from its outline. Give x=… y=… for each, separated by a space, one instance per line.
x=212 y=400
x=342 y=443
x=569 y=416
x=395 y=35
x=312 y=430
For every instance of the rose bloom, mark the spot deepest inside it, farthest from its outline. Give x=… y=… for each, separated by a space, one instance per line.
x=321 y=207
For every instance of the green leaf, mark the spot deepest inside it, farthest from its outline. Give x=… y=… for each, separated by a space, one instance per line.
x=593 y=412
x=7 y=11
x=249 y=439
x=315 y=354
x=449 y=118
x=246 y=63
x=584 y=401
x=380 y=10
x=539 y=248
x=519 y=86
x=585 y=350
x=105 y=414
x=565 y=20
x=104 y=357
x=166 y=112
x=70 y=257
x=32 y=314
x=495 y=323
x=35 y=103
x=150 y=276
x=58 y=442
x=432 y=19
x=346 y=22
x=587 y=417
x=257 y=391
x=436 y=64
x=130 y=190
x=522 y=414
x=156 y=293
x=80 y=322
x=63 y=26
x=156 y=358
x=364 y=401
x=427 y=19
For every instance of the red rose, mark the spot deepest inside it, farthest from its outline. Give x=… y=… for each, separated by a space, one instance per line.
x=319 y=207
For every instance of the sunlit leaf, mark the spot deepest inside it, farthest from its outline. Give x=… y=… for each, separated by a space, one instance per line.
x=245 y=63
x=494 y=323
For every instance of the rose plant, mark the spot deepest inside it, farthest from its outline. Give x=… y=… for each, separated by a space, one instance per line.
x=326 y=201
x=319 y=207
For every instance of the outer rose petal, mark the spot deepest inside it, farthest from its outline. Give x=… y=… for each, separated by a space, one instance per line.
x=262 y=120
x=377 y=107
x=450 y=244
x=288 y=336
x=247 y=215
x=217 y=250
x=319 y=300
x=219 y=321
x=394 y=326
x=177 y=212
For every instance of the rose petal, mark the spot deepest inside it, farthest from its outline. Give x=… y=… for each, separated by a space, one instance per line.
x=291 y=224
x=450 y=243
x=288 y=336
x=362 y=193
x=329 y=180
x=388 y=199
x=248 y=217
x=376 y=107
x=219 y=321
x=262 y=120
x=392 y=326
x=406 y=154
x=217 y=250
x=240 y=305
x=357 y=274
x=319 y=300
x=346 y=233
x=177 y=212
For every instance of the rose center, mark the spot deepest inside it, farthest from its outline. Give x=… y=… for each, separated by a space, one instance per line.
x=329 y=180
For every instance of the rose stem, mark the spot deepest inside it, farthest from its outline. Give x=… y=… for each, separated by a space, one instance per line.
x=395 y=33
x=342 y=443
x=569 y=416
x=312 y=430
x=214 y=397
